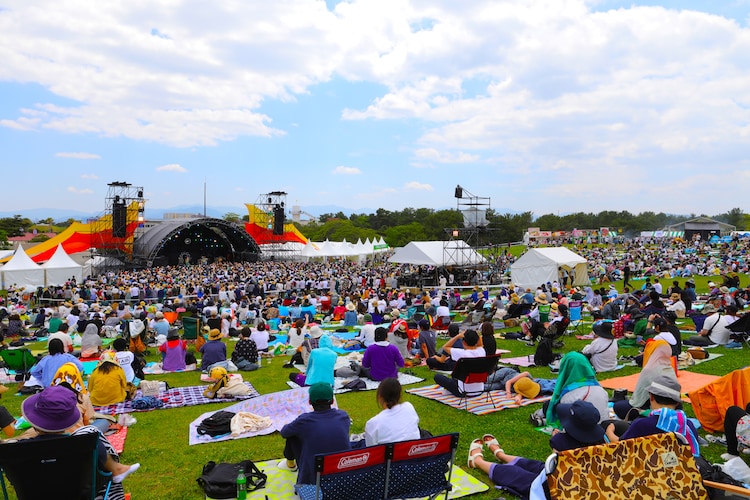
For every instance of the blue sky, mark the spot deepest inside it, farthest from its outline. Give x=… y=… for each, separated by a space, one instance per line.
x=543 y=106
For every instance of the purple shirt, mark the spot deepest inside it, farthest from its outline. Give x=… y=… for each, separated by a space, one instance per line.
x=383 y=360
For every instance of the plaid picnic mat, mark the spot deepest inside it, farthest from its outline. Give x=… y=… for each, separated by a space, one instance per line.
x=479 y=405
x=176 y=398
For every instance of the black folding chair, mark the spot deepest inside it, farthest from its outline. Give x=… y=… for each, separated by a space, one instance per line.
x=475 y=370
x=53 y=467
x=741 y=329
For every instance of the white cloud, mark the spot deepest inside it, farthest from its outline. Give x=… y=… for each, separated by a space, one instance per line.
x=417 y=186
x=75 y=190
x=445 y=156
x=92 y=177
x=79 y=156
x=342 y=170
x=172 y=167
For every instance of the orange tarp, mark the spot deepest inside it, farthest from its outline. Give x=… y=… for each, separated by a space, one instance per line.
x=711 y=402
x=690 y=381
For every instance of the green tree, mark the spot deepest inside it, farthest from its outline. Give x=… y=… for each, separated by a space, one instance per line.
x=16 y=225
x=399 y=236
x=232 y=217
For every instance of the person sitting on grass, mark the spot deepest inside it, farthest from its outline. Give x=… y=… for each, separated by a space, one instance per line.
x=576 y=381
x=214 y=351
x=54 y=411
x=245 y=354
x=173 y=352
x=107 y=383
x=398 y=421
x=442 y=360
x=382 y=358
x=323 y=430
x=44 y=371
x=664 y=397
x=580 y=422
x=320 y=364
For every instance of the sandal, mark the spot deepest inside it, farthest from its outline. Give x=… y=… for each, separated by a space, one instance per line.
x=475 y=445
x=489 y=442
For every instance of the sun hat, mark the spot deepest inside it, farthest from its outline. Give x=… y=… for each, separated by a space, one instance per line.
x=723 y=289
x=159 y=315
x=527 y=388
x=320 y=391
x=173 y=333
x=708 y=309
x=367 y=318
x=603 y=329
x=580 y=419
x=541 y=299
x=217 y=372
x=214 y=334
x=402 y=326
x=108 y=356
x=667 y=387
x=205 y=329
x=54 y=409
x=351 y=307
x=316 y=331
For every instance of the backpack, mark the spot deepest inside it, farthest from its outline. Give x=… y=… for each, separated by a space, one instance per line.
x=544 y=355
x=217 y=424
x=220 y=480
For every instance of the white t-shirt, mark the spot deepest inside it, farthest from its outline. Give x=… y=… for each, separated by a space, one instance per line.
x=125 y=359
x=260 y=338
x=720 y=333
x=399 y=423
x=64 y=337
x=457 y=354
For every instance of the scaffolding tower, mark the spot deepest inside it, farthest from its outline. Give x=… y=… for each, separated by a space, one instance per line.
x=479 y=238
x=272 y=216
x=112 y=232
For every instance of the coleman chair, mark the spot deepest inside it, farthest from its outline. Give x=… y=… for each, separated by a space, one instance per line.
x=54 y=467
x=191 y=327
x=422 y=467
x=20 y=361
x=475 y=370
x=359 y=473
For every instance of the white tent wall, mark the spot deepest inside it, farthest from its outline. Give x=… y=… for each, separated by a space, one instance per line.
x=540 y=265
x=60 y=268
x=434 y=253
x=21 y=271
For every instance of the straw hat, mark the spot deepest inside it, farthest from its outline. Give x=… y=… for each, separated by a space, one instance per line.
x=214 y=334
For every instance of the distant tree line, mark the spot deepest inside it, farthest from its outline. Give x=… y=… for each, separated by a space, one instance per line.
x=400 y=227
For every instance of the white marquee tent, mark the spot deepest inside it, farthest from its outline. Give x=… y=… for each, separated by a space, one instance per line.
x=22 y=271
x=60 y=268
x=435 y=253
x=540 y=265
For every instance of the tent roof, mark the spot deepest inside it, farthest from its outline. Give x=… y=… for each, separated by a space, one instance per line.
x=60 y=260
x=434 y=253
x=20 y=261
x=560 y=255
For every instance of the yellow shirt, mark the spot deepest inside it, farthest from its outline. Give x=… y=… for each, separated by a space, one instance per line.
x=107 y=388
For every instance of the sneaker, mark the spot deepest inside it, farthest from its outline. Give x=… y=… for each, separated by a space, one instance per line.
x=357 y=437
x=283 y=465
x=728 y=456
x=288 y=365
x=733 y=345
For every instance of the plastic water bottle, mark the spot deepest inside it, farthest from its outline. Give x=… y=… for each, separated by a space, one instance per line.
x=241 y=485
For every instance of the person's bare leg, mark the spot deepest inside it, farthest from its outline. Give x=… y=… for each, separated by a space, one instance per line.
x=119 y=471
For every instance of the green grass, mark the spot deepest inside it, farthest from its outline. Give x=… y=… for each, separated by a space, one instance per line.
x=159 y=441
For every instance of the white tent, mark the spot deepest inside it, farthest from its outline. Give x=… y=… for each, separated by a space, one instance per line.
x=436 y=253
x=540 y=265
x=60 y=268
x=22 y=271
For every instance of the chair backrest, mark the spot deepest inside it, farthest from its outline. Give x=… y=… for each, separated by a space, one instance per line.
x=422 y=467
x=19 y=360
x=190 y=327
x=656 y=466
x=544 y=310
x=574 y=310
x=473 y=370
x=52 y=467
x=359 y=473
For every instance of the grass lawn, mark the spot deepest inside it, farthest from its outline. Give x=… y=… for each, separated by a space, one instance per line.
x=159 y=440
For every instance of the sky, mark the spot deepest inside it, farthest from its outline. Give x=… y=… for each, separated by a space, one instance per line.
x=552 y=106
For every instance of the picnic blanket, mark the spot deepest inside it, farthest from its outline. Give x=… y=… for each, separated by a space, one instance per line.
x=479 y=405
x=524 y=361
x=690 y=381
x=339 y=382
x=117 y=440
x=175 y=398
x=282 y=407
x=280 y=483
x=154 y=368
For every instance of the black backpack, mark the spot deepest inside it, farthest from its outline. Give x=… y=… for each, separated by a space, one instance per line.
x=217 y=424
x=544 y=355
x=220 y=480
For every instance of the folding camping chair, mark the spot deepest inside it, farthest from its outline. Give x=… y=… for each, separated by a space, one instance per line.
x=475 y=370
x=656 y=466
x=575 y=315
x=418 y=468
x=544 y=310
x=191 y=327
x=360 y=473
x=54 y=467
x=741 y=329
x=20 y=361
